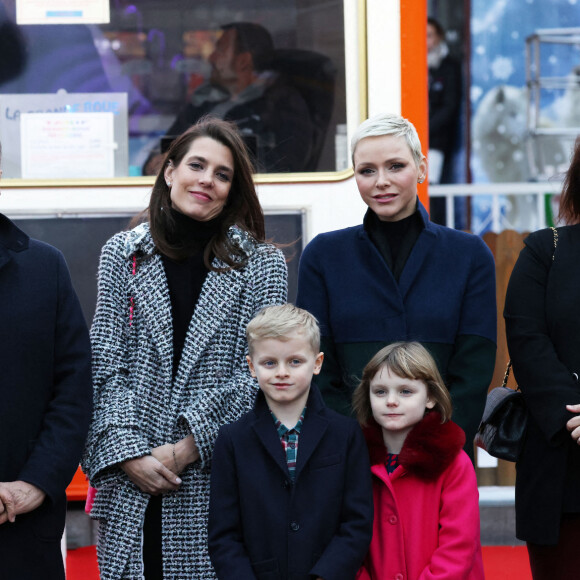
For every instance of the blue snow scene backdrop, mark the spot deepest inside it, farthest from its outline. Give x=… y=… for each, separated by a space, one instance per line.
x=502 y=149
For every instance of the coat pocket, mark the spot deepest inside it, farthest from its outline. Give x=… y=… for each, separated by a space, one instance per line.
x=327 y=461
x=267 y=569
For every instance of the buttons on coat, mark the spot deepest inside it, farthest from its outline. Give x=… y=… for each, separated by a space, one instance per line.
x=399 y=577
x=393 y=520
x=294 y=526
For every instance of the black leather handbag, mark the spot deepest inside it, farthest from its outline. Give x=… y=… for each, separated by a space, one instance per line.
x=502 y=430
x=503 y=426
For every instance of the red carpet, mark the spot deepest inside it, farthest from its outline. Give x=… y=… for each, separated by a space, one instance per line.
x=500 y=563
x=81 y=564
x=506 y=563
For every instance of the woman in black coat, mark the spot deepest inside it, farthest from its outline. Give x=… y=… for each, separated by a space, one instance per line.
x=543 y=334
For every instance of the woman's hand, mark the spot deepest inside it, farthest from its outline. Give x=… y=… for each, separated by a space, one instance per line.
x=178 y=456
x=573 y=425
x=150 y=475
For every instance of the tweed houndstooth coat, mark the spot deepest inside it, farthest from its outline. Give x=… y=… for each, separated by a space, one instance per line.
x=138 y=405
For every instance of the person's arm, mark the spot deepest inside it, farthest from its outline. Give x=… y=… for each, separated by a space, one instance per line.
x=344 y=554
x=226 y=547
x=548 y=386
x=115 y=435
x=470 y=368
x=230 y=397
x=59 y=444
x=313 y=295
x=458 y=550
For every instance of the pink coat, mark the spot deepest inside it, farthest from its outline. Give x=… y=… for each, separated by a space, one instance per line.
x=426 y=524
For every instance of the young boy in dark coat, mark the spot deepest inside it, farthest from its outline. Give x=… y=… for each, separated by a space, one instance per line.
x=291 y=495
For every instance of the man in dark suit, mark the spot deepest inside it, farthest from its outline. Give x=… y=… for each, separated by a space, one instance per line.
x=45 y=402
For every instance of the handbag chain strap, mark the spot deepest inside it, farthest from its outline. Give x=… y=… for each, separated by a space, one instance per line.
x=555 y=241
x=507 y=373
x=509 y=365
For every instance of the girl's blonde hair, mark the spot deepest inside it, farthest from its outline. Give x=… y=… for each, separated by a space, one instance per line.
x=408 y=360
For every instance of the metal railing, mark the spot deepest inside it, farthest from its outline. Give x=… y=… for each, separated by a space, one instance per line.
x=502 y=212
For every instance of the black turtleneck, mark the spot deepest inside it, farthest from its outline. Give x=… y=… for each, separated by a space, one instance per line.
x=394 y=240
x=185 y=277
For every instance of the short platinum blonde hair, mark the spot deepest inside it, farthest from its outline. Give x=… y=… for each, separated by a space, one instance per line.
x=389 y=124
x=280 y=322
x=408 y=360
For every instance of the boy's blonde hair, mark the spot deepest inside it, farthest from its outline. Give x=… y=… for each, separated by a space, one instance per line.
x=408 y=360
x=280 y=322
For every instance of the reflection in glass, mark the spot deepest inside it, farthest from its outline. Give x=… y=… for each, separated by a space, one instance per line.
x=277 y=70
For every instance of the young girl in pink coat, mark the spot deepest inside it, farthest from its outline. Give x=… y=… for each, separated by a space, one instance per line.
x=426 y=524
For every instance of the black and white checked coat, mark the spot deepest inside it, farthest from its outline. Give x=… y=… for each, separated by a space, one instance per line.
x=139 y=406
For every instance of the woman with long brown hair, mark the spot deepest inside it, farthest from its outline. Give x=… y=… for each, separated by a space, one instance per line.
x=175 y=295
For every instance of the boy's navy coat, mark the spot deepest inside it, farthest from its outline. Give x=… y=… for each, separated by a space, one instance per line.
x=261 y=525
x=45 y=396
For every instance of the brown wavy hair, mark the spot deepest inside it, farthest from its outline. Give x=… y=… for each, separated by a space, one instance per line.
x=408 y=360
x=570 y=200
x=242 y=207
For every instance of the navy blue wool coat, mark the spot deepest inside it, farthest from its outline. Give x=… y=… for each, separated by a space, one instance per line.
x=444 y=299
x=263 y=526
x=45 y=396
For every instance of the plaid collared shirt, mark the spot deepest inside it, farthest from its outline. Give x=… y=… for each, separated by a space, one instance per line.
x=289 y=440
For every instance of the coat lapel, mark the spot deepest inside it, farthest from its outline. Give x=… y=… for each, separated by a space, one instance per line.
x=313 y=429
x=312 y=432
x=268 y=437
x=4 y=257
x=11 y=238
x=151 y=294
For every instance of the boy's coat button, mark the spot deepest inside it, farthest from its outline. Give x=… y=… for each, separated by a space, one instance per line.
x=294 y=526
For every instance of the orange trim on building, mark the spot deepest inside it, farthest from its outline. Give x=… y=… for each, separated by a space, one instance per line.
x=414 y=84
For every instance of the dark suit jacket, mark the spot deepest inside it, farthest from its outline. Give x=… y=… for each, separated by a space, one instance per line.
x=542 y=314
x=45 y=396
x=261 y=525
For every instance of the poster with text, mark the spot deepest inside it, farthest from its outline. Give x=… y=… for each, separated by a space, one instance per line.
x=73 y=145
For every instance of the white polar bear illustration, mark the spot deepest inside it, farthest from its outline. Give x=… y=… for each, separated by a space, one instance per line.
x=500 y=139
